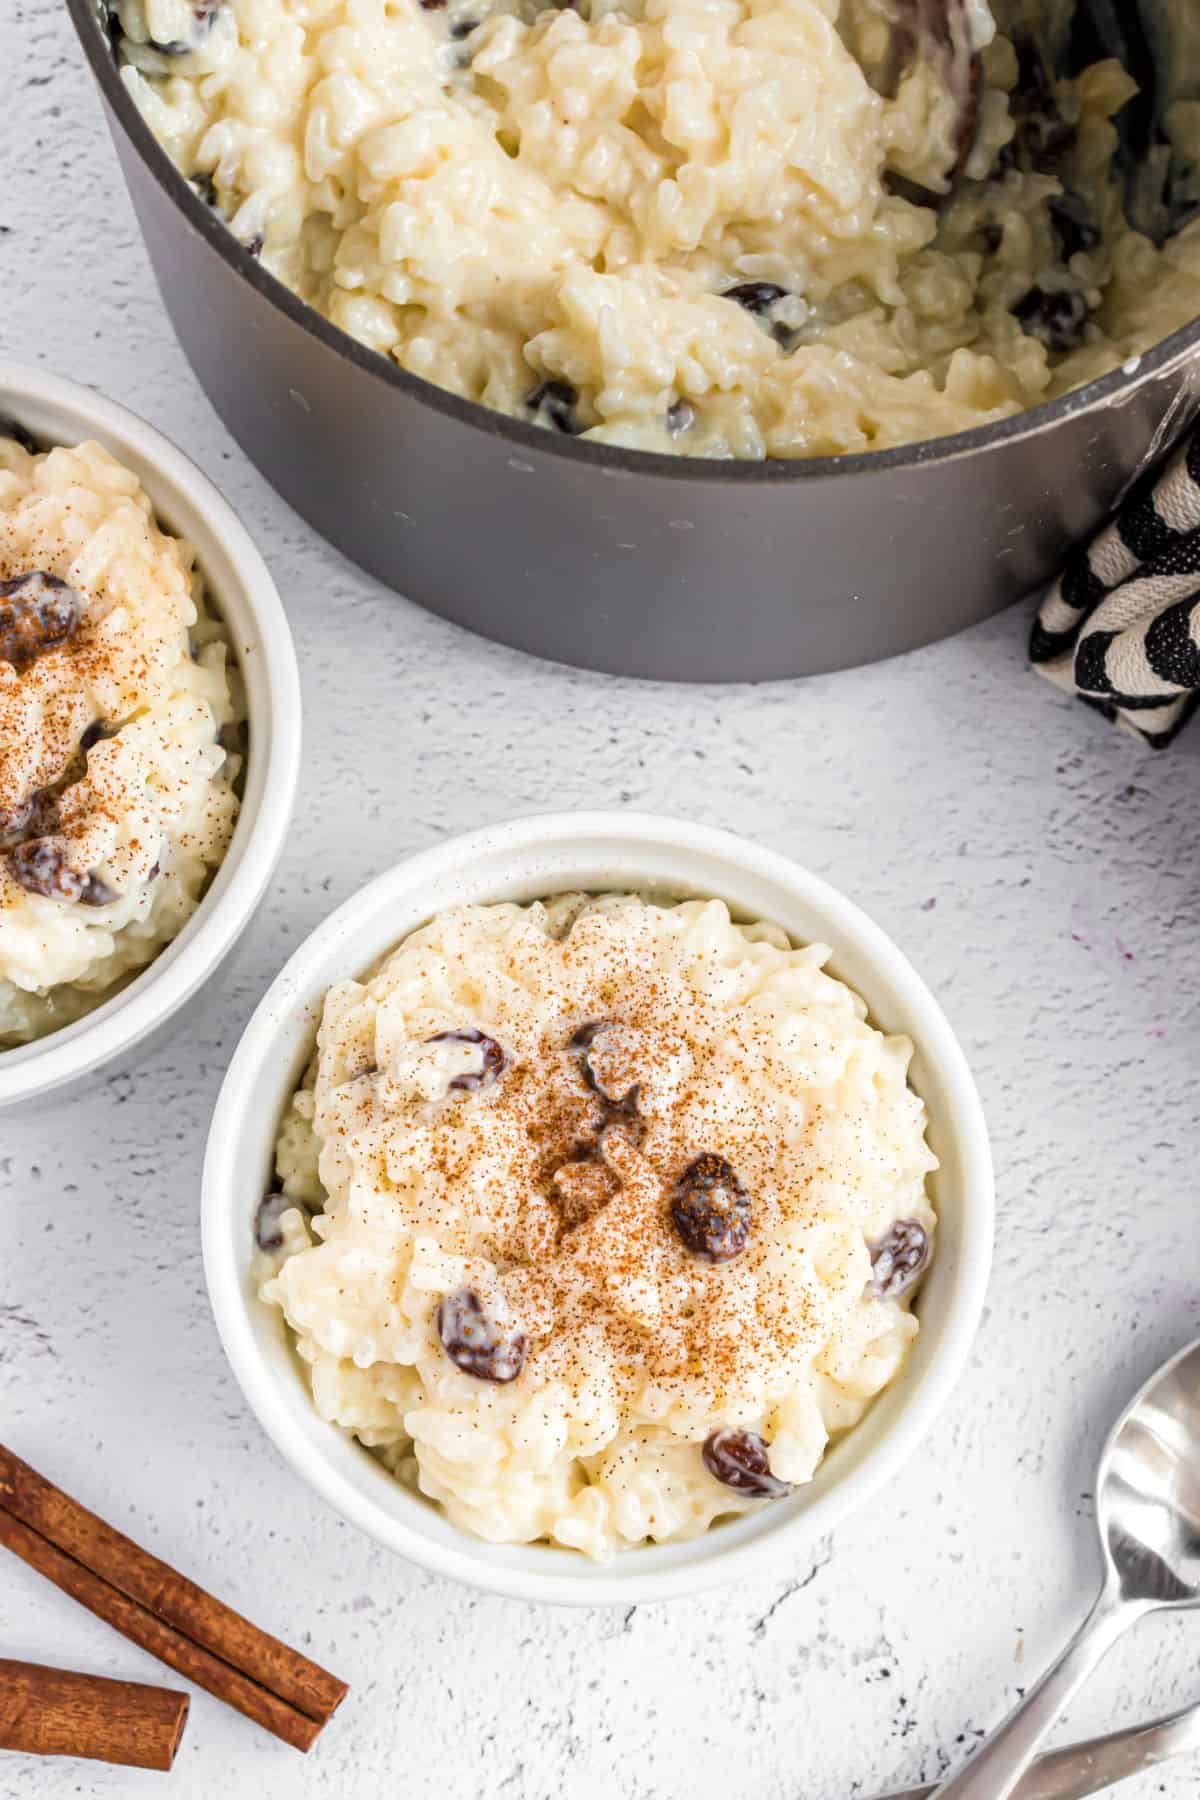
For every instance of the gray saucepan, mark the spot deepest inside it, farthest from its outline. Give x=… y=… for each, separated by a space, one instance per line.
x=624 y=561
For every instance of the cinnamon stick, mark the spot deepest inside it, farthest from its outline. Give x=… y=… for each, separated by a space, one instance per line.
x=145 y=1629
x=163 y=1611
x=55 y=1712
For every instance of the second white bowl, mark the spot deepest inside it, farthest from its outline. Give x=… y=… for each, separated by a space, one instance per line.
x=239 y=584
x=526 y=860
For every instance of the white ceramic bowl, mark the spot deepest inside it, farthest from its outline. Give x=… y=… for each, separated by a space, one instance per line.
x=59 y=412
x=522 y=861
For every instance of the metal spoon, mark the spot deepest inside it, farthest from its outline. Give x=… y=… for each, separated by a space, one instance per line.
x=1078 y=1770
x=1153 y=40
x=896 y=39
x=1148 y=1513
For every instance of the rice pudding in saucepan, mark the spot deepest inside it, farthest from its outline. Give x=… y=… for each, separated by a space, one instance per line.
x=120 y=717
x=724 y=228
x=597 y=1219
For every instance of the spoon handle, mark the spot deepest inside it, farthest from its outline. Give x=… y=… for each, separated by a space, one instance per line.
x=1078 y=1770
x=996 y=1768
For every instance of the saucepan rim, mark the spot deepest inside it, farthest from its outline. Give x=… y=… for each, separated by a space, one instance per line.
x=610 y=459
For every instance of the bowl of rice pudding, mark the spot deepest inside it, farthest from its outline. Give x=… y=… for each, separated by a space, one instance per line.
x=149 y=731
x=597 y=1208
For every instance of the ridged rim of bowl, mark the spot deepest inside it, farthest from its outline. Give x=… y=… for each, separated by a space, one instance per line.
x=1172 y=350
x=747 y=1546
x=117 y=1025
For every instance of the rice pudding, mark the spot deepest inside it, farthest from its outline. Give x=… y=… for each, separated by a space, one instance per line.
x=721 y=228
x=597 y=1219
x=120 y=725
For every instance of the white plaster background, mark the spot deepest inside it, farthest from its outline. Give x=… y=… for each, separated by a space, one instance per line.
x=1043 y=872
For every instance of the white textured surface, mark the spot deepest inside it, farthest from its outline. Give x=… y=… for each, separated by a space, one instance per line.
x=1045 y=875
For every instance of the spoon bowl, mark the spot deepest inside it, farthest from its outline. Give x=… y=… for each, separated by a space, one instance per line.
x=1149 y=1491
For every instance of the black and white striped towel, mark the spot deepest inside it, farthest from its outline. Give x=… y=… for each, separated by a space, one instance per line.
x=1121 y=625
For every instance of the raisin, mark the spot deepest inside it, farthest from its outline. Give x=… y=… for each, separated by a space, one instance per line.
x=39 y=866
x=495 y=1058
x=37 y=816
x=899 y=1259
x=14 y=823
x=1047 y=139
x=602 y=1064
x=268 y=1229
x=758 y=297
x=739 y=1460
x=43 y=813
x=462 y=28
x=205 y=187
x=1073 y=223
x=1057 y=319
x=554 y=403
x=38 y=612
x=474 y=1343
x=432 y=5
x=680 y=418
x=711 y=1209
x=254 y=246
x=98 y=729
x=34 y=818
x=9 y=428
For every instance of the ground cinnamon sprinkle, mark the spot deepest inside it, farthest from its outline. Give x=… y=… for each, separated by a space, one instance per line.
x=614 y=1259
